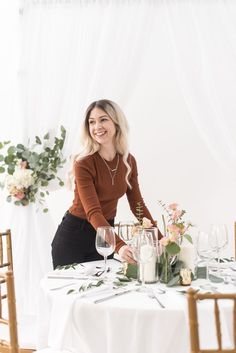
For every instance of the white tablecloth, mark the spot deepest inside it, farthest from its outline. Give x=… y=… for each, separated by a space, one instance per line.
x=129 y=323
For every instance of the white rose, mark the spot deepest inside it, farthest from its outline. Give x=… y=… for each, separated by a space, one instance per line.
x=23 y=178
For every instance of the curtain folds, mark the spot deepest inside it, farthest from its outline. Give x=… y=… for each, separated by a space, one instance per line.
x=169 y=63
x=90 y=49
x=73 y=55
x=203 y=43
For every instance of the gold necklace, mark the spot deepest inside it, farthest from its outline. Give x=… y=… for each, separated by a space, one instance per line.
x=111 y=171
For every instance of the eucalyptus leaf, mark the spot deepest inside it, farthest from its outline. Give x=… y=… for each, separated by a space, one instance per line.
x=71 y=291
x=11 y=169
x=131 y=271
x=9 y=159
x=38 y=141
x=11 y=150
x=46 y=137
x=174 y=281
x=173 y=248
x=188 y=237
x=9 y=198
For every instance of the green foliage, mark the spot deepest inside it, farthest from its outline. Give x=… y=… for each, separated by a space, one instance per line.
x=173 y=248
x=40 y=159
x=139 y=212
x=131 y=271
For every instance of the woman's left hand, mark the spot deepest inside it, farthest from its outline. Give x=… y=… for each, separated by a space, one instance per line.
x=126 y=254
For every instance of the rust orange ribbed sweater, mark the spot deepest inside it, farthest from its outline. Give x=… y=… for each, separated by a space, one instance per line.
x=95 y=198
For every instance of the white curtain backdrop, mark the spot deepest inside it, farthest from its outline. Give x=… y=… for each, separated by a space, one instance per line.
x=171 y=66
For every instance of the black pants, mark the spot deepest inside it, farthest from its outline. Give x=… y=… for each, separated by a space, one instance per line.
x=74 y=242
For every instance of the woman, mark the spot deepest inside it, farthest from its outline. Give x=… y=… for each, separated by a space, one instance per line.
x=103 y=173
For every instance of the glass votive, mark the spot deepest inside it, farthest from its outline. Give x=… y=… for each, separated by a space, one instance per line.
x=185 y=277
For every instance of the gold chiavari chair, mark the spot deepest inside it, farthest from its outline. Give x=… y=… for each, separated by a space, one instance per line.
x=9 y=344
x=193 y=297
x=125 y=229
x=6 y=261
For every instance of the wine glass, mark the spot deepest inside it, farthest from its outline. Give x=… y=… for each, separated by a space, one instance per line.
x=105 y=243
x=143 y=250
x=126 y=230
x=205 y=253
x=218 y=238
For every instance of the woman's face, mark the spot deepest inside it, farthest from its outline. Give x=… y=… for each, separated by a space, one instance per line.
x=101 y=127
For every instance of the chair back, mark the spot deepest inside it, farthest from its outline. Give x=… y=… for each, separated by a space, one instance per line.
x=7 y=293
x=125 y=230
x=193 y=297
x=6 y=261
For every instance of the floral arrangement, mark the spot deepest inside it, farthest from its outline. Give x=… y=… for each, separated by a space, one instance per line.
x=176 y=229
x=30 y=169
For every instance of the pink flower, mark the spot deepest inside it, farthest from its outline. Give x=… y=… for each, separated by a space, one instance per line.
x=23 y=164
x=173 y=206
x=19 y=195
x=164 y=241
x=176 y=214
x=146 y=223
x=173 y=237
x=172 y=228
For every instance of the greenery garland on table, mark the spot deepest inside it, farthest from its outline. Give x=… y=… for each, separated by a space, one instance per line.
x=30 y=169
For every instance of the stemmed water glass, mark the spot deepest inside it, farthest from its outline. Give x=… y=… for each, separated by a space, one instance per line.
x=142 y=248
x=218 y=238
x=105 y=243
x=205 y=253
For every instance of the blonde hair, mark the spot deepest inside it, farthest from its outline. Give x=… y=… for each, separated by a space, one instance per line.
x=90 y=146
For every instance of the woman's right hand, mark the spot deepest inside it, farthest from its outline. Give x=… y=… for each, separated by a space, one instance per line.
x=126 y=254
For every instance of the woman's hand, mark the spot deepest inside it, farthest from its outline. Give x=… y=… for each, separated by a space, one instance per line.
x=126 y=254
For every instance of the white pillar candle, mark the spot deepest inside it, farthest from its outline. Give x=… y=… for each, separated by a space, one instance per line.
x=150 y=272
x=187 y=255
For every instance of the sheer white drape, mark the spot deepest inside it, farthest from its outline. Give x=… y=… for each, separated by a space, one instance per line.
x=171 y=66
x=75 y=52
x=202 y=35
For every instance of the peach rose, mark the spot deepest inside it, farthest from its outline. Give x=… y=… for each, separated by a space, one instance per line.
x=19 y=195
x=172 y=228
x=173 y=206
x=164 y=241
x=23 y=164
x=146 y=223
x=177 y=214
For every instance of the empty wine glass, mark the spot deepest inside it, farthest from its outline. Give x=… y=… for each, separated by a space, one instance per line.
x=205 y=253
x=126 y=230
x=105 y=243
x=219 y=238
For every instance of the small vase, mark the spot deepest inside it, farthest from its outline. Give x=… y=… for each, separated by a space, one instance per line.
x=165 y=267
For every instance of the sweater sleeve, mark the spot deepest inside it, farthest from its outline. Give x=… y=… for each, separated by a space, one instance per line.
x=84 y=179
x=134 y=195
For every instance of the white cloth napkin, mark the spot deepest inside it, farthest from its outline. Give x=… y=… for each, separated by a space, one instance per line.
x=78 y=271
